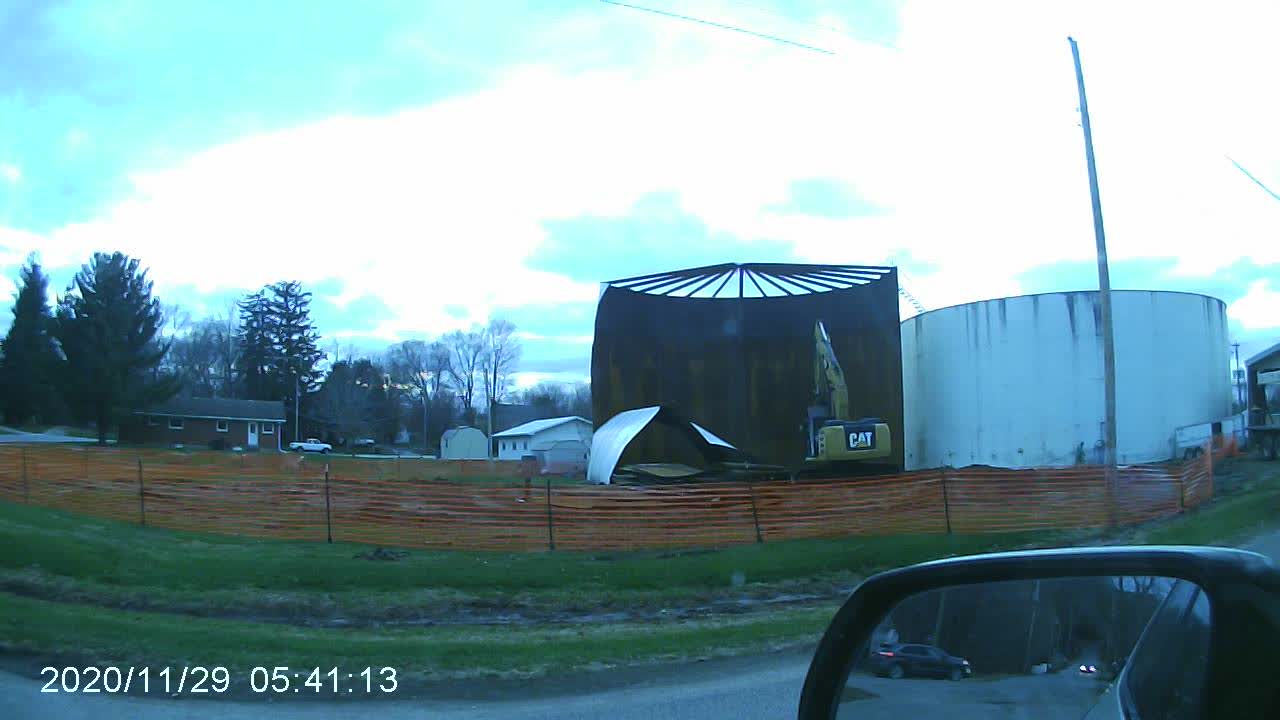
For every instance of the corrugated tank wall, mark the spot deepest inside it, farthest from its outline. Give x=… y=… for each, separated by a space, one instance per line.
x=743 y=367
x=1017 y=382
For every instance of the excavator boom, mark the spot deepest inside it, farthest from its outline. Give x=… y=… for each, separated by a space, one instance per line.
x=838 y=444
x=829 y=383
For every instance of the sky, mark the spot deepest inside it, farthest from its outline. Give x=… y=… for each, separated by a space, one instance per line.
x=423 y=166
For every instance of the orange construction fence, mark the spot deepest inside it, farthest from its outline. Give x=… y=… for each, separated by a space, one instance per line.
x=433 y=504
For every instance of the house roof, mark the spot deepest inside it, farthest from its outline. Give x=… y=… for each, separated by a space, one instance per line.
x=537 y=426
x=451 y=432
x=507 y=416
x=1262 y=355
x=218 y=408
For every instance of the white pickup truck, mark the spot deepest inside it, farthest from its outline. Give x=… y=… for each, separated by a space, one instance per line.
x=311 y=445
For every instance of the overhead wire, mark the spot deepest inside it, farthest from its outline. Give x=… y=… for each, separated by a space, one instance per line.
x=722 y=26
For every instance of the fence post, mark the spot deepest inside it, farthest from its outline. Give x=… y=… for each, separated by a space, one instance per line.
x=946 y=502
x=26 y=484
x=328 y=513
x=755 y=515
x=1109 y=477
x=1182 y=486
x=1208 y=466
x=551 y=534
x=142 y=495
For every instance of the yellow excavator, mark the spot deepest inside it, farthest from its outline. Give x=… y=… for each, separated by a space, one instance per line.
x=836 y=443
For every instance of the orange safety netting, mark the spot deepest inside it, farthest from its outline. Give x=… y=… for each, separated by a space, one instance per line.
x=482 y=505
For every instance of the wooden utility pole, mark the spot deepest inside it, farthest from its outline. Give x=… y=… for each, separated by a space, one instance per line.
x=1104 y=275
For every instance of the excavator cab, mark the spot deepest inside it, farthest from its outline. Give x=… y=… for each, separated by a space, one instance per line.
x=837 y=443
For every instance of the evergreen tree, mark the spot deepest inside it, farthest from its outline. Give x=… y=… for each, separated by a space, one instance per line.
x=107 y=326
x=27 y=366
x=254 y=362
x=279 y=346
x=293 y=336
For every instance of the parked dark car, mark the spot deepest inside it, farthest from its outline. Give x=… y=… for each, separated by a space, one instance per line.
x=898 y=660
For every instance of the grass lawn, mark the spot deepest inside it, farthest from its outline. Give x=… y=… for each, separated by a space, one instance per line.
x=120 y=637
x=115 y=553
x=1252 y=509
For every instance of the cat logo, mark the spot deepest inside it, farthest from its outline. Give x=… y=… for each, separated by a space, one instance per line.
x=862 y=439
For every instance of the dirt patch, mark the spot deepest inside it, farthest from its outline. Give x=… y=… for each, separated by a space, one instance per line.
x=382 y=554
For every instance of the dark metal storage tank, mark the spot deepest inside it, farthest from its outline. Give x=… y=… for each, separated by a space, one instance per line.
x=731 y=347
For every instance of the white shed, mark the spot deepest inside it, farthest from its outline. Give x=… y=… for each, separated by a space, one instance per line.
x=463 y=443
x=539 y=436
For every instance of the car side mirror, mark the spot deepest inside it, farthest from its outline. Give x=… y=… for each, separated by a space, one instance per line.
x=1127 y=632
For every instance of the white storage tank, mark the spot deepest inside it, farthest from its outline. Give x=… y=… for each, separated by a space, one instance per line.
x=1017 y=382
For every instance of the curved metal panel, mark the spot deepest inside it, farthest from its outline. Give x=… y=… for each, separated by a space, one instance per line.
x=611 y=439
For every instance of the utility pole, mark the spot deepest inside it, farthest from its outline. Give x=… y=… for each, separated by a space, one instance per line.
x=1238 y=376
x=1104 y=274
x=492 y=389
x=297 y=421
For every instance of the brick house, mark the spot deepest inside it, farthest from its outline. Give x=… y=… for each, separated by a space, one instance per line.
x=208 y=422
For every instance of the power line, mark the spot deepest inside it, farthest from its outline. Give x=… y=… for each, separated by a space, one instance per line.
x=722 y=26
x=788 y=18
x=1249 y=175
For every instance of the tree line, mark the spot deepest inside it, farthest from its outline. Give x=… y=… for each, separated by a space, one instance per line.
x=109 y=348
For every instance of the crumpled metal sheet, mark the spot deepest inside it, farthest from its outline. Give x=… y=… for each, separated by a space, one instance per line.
x=612 y=438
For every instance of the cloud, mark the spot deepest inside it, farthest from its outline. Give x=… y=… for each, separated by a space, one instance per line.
x=963 y=138
x=10 y=173
x=1259 y=308
x=559 y=339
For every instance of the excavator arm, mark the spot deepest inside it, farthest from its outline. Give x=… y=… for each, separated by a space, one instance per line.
x=836 y=442
x=829 y=385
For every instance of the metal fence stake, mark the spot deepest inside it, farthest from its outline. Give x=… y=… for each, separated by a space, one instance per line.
x=142 y=495
x=755 y=515
x=551 y=534
x=26 y=484
x=1208 y=466
x=946 y=503
x=328 y=512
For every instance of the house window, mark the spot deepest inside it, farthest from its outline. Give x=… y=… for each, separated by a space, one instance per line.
x=152 y=420
x=175 y=423
x=268 y=428
x=221 y=426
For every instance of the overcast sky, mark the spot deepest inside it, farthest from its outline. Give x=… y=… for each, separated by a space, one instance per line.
x=424 y=165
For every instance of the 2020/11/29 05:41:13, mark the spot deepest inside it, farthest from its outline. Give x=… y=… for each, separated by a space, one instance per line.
x=286 y=679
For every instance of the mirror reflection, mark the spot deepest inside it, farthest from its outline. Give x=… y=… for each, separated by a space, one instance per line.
x=1095 y=647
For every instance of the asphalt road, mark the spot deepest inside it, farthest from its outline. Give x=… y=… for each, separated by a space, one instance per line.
x=51 y=437
x=1059 y=695
x=769 y=688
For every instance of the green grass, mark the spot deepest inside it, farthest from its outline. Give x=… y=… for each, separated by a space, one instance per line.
x=1253 y=509
x=111 y=636
x=114 y=553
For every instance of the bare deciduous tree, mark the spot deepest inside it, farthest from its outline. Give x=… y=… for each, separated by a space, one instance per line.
x=423 y=368
x=501 y=353
x=465 y=350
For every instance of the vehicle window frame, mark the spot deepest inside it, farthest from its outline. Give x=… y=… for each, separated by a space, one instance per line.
x=1128 y=702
